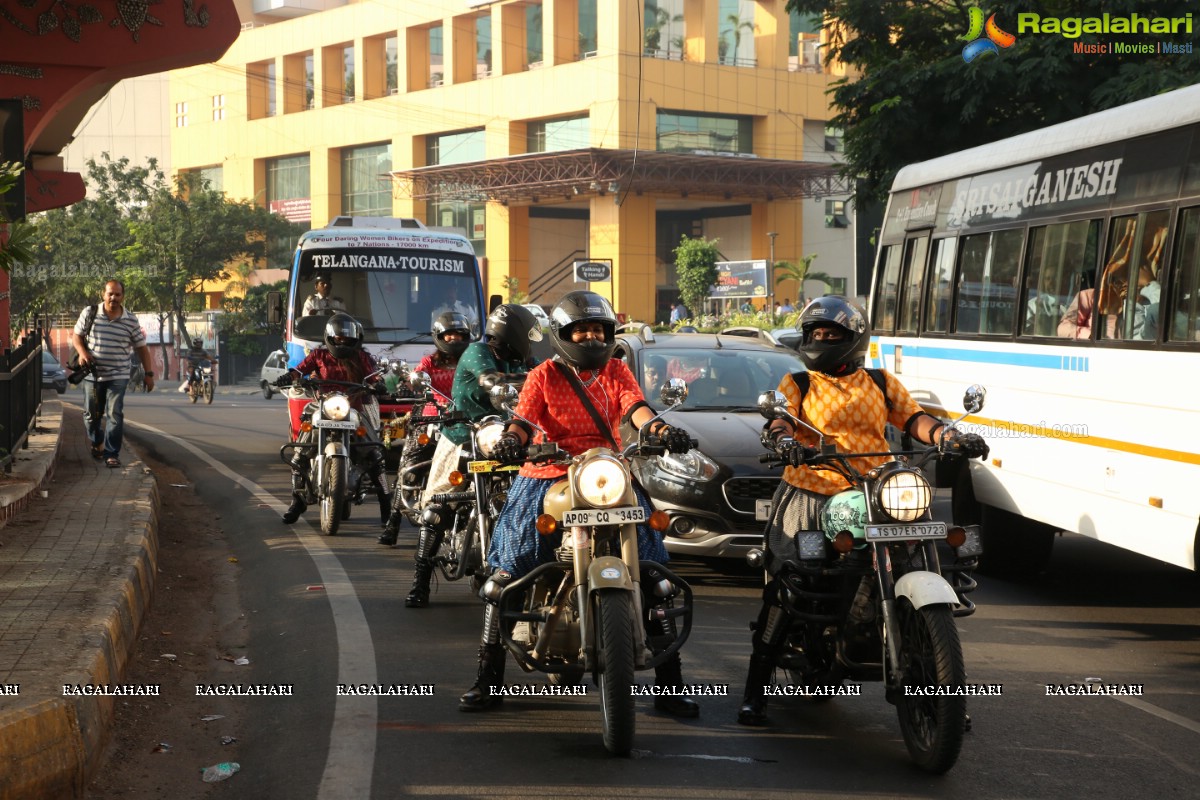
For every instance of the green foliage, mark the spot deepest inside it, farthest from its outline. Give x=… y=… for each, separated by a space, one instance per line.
x=916 y=99
x=696 y=264
x=512 y=286
x=16 y=239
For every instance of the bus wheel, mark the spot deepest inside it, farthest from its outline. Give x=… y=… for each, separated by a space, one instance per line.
x=1013 y=547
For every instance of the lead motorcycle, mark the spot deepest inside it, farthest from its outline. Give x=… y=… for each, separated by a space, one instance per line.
x=583 y=613
x=201 y=383
x=866 y=597
x=341 y=439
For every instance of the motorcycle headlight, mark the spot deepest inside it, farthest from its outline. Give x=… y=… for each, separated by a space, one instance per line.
x=601 y=481
x=488 y=436
x=904 y=495
x=336 y=407
x=692 y=465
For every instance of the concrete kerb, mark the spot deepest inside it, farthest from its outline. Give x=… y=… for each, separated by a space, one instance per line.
x=51 y=746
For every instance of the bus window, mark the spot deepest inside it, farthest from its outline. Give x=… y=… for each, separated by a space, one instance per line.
x=1129 y=281
x=911 y=279
x=937 y=293
x=987 y=282
x=884 y=310
x=1058 y=256
x=1185 y=287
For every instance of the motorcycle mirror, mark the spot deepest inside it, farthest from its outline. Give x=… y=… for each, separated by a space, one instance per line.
x=419 y=381
x=673 y=392
x=504 y=397
x=772 y=405
x=398 y=367
x=973 y=398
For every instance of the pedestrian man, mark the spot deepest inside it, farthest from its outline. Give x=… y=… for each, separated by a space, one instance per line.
x=679 y=312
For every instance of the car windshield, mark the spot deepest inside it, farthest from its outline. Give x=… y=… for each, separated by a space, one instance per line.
x=717 y=379
x=48 y=360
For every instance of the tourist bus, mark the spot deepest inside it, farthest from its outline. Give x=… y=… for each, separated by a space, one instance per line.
x=394 y=276
x=1061 y=269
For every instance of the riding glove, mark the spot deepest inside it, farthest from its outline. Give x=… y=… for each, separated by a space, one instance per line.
x=675 y=439
x=286 y=379
x=971 y=445
x=794 y=453
x=509 y=450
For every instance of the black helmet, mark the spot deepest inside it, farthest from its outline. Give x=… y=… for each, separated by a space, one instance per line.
x=834 y=358
x=343 y=335
x=451 y=322
x=576 y=307
x=513 y=327
x=197 y=344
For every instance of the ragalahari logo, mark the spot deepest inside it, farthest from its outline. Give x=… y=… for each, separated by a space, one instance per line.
x=977 y=46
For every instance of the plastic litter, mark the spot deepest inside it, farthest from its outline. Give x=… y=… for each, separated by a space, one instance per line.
x=228 y=739
x=169 y=656
x=241 y=662
x=212 y=717
x=161 y=747
x=219 y=772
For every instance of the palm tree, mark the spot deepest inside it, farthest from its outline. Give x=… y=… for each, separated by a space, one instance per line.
x=801 y=272
x=663 y=19
x=736 y=26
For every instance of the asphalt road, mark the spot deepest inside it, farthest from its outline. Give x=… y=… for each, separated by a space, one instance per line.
x=322 y=611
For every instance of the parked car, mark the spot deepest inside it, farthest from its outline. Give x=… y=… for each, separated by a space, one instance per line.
x=272 y=368
x=540 y=315
x=718 y=494
x=53 y=374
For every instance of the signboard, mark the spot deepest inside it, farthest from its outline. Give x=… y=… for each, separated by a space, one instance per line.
x=298 y=209
x=740 y=279
x=594 y=271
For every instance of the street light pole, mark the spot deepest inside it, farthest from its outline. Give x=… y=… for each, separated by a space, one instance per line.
x=771 y=274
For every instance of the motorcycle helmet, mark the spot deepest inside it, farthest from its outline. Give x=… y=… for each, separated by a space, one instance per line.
x=834 y=358
x=451 y=322
x=576 y=307
x=511 y=328
x=197 y=344
x=343 y=335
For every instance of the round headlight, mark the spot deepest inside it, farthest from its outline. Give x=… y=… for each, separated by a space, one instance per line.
x=904 y=495
x=601 y=482
x=488 y=436
x=336 y=407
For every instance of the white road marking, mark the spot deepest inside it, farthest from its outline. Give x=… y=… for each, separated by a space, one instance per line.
x=1161 y=713
x=351 y=760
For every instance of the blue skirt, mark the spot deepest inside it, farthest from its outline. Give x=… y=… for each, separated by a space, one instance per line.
x=518 y=547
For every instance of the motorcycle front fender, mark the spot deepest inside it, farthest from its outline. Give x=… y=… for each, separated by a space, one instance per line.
x=925 y=589
x=336 y=450
x=608 y=572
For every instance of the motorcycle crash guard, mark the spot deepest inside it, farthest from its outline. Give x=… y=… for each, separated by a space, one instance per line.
x=925 y=589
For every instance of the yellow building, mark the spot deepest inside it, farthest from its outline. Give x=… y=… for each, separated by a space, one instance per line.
x=549 y=132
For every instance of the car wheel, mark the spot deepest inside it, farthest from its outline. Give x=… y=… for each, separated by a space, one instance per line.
x=266 y=390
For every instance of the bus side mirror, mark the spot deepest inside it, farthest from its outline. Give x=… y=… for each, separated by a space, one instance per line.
x=275 y=308
x=494 y=301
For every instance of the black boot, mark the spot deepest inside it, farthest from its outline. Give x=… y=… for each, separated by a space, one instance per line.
x=670 y=673
x=298 y=505
x=491 y=675
x=385 y=507
x=390 y=531
x=427 y=544
x=754 y=699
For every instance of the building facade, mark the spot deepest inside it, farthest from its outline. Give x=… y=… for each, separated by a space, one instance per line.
x=548 y=132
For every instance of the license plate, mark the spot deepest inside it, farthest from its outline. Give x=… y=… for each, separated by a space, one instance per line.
x=339 y=425
x=604 y=516
x=762 y=510
x=917 y=530
x=491 y=466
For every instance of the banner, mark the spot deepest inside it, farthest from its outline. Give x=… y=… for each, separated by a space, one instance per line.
x=738 y=279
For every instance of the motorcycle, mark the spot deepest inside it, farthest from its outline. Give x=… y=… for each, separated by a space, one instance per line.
x=419 y=438
x=866 y=597
x=583 y=613
x=201 y=383
x=338 y=478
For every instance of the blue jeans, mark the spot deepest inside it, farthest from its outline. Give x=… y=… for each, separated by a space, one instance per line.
x=105 y=400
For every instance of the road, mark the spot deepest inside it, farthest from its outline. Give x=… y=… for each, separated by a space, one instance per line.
x=321 y=611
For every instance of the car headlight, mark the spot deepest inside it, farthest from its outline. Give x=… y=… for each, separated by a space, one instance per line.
x=336 y=407
x=904 y=495
x=692 y=465
x=488 y=436
x=601 y=481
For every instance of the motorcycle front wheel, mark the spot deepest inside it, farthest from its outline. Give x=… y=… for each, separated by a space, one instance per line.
x=931 y=656
x=334 y=493
x=208 y=393
x=193 y=394
x=615 y=672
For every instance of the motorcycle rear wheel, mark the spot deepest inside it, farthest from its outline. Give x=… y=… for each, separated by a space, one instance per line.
x=931 y=655
x=331 y=499
x=208 y=393
x=615 y=672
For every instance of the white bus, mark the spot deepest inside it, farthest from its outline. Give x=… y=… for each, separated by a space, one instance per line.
x=1060 y=268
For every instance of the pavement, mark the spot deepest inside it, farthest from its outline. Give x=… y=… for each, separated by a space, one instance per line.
x=78 y=559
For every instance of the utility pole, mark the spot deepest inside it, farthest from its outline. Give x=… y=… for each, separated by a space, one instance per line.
x=771 y=274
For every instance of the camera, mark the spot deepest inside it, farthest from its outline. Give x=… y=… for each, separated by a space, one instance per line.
x=76 y=377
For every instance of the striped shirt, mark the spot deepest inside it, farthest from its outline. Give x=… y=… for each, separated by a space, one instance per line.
x=111 y=342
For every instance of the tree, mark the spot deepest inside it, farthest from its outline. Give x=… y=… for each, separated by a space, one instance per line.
x=696 y=264
x=787 y=271
x=916 y=99
x=16 y=240
x=513 y=287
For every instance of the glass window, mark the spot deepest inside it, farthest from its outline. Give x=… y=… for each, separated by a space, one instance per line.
x=685 y=133
x=181 y=115
x=533 y=34
x=888 y=287
x=348 y=73
x=937 y=290
x=288 y=191
x=270 y=89
x=910 y=292
x=587 y=28
x=392 y=74
x=1185 y=285
x=483 y=46
x=454 y=148
x=470 y=218
x=663 y=28
x=436 y=55
x=366 y=186
x=214 y=177
x=309 y=83
x=1059 y=257
x=551 y=136
x=987 y=282
x=735 y=36
x=1129 y=281
x=218 y=107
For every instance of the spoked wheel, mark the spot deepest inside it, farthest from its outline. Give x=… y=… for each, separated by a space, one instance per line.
x=615 y=673
x=208 y=392
x=332 y=497
x=931 y=656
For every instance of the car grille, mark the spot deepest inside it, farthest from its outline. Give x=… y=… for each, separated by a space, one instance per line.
x=741 y=493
